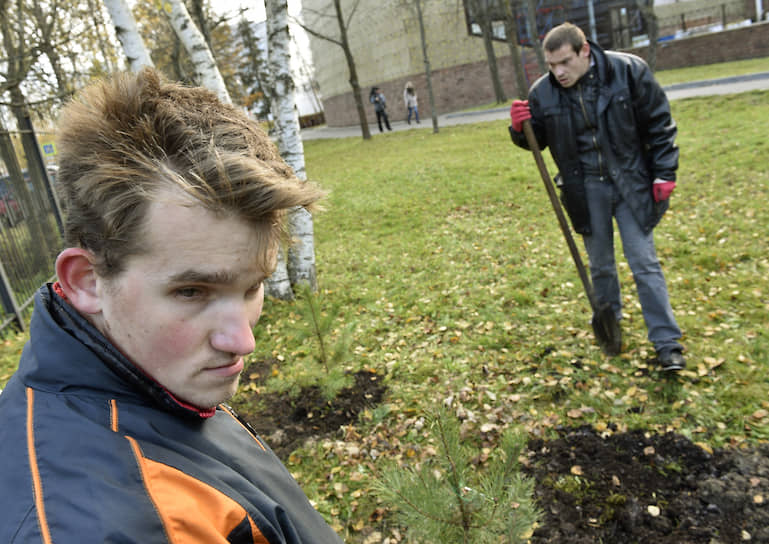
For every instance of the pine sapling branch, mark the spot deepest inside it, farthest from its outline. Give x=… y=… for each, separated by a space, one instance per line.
x=454 y=478
x=458 y=505
x=319 y=334
x=398 y=493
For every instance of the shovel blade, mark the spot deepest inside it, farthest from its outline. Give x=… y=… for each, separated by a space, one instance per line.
x=607 y=331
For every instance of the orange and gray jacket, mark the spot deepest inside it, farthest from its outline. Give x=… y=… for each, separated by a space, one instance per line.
x=94 y=451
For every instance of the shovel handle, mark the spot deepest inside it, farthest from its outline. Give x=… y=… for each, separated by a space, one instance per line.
x=534 y=146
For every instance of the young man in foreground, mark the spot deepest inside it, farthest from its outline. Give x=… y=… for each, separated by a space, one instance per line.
x=608 y=125
x=113 y=428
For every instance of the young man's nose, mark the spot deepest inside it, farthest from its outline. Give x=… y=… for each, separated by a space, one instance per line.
x=234 y=333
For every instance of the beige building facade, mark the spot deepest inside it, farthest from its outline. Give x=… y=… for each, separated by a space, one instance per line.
x=386 y=45
x=385 y=42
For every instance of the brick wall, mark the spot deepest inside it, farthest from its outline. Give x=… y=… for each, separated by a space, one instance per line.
x=454 y=88
x=468 y=85
x=738 y=44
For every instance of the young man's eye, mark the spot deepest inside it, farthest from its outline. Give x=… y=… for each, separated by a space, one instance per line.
x=189 y=292
x=253 y=291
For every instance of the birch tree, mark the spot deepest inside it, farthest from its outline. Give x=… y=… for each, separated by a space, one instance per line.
x=107 y=49
x=198 y=14
x=256 y=77
x=282 y=89
x=301 y=252
x=204 y=65
x=128 y=34
x=252 y=69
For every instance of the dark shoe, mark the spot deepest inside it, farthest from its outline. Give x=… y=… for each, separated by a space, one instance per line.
x=672 y=360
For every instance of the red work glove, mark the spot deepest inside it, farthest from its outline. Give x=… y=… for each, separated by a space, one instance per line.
x=662 y=189
x=519 y=112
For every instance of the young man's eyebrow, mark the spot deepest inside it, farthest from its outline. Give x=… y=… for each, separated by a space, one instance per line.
x=222 y=277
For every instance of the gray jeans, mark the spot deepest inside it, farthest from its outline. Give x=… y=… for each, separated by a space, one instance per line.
x=605 y=202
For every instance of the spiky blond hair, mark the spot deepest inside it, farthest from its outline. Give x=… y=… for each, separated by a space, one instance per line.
x=123 y=140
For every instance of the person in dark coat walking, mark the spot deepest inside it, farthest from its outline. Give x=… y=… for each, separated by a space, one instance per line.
x=608 y=125
x=380 y=107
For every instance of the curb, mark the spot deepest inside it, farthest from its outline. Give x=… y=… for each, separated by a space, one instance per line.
x=717 y=81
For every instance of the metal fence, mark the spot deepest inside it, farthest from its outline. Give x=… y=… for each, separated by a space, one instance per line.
x=614 y=24
x=30 y=221
x=706 y=17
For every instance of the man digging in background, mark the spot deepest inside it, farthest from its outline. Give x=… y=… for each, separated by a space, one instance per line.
x=608 y=125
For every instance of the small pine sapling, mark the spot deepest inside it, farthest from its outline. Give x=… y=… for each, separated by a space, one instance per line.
x=330 y=353
x=448 y=500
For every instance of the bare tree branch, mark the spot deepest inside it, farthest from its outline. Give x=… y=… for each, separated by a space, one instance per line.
x=314 y=32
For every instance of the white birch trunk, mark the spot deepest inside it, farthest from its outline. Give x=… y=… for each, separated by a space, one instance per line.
x=195 y=44
x=301 y=252
x=283 y=91
x=278 y=285
x=128 y=33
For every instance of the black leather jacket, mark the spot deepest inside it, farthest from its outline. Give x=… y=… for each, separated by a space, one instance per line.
x=637 y=135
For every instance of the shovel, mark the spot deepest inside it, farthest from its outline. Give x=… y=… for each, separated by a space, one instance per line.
x=605 y=327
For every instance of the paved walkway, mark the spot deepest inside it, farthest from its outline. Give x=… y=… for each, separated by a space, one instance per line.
x=728 y=85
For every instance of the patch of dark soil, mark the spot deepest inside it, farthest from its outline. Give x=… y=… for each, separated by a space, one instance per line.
x=286 y=421
x=636 y=487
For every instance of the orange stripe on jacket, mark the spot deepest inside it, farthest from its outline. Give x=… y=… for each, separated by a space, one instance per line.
x=113 y=418
x=191 y=511
x=37 y=484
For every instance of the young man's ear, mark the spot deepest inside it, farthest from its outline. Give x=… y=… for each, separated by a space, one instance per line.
x=77 y=278
x=585 y=51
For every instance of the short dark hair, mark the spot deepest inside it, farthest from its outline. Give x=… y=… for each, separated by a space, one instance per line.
x=124 y=140
x=564 y=34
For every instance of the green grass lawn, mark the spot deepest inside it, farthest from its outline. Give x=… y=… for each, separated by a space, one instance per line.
x=450 y=267
x=443 y=257
x=713 y=71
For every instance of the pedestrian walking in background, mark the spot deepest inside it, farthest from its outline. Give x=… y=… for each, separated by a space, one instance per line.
x=410 y=99
x=380 y=107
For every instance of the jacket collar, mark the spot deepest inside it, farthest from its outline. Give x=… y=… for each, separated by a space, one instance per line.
x=603 y=67
x=67 y=352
